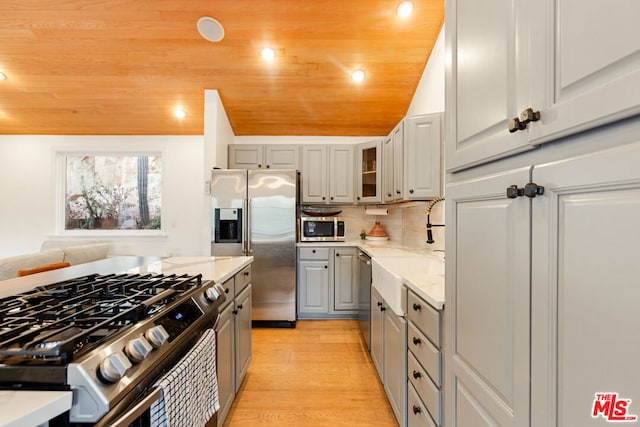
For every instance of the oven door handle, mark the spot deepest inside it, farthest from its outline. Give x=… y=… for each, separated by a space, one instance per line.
x=134 y=413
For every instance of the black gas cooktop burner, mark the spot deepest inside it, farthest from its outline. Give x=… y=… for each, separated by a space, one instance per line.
x=57 y=323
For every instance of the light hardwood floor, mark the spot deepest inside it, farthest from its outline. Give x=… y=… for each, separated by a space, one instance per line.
x=318 y=374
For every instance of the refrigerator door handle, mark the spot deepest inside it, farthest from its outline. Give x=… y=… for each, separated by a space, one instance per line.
x=245 y=226
x=248 y=227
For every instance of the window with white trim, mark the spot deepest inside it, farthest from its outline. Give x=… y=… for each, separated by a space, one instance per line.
x=112 y=192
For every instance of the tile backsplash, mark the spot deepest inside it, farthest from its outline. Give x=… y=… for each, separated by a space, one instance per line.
x=406 y=223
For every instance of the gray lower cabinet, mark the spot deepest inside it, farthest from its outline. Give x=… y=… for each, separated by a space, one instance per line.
x=377 y=332
x=225 y=361
x=424 y=362
x=327 y=282
x=395 y=363
x=243 y=334
x=233 y=340
x=388 y=352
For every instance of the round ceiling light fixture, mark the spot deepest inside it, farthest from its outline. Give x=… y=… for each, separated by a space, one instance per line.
x=358 y=76
x=405 y=9
x=210 y=29
x=268 y=54
x=3 y=76
x=179 y=113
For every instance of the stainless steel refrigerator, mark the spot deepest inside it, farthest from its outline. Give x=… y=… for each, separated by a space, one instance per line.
x=254 y=213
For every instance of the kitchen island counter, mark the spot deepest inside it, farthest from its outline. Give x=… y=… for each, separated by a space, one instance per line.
x=217 y=268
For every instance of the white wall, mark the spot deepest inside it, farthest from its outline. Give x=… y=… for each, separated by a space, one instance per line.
x=429 y=95
x=28 y=192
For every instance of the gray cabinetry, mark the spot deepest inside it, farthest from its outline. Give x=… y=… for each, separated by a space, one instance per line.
x=327 y=282
x=275 y=156
x=327 y=174
x=422 y=159
x=389 y=354
x=377 y=332
x=395 y=363
x=548 y=278
x=242 y=312
x=369 y=172
x=233 y=339
x=424 y=361
x=225 y=362
x=393 y=164
x=313 y=285
x=345 y=276
x=539 y=57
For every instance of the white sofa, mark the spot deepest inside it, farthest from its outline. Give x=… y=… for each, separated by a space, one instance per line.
x=54 y=252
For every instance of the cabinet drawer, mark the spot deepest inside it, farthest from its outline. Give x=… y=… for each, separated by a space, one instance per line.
x=243 y=278
x=426 y=389
x=427 y=355
x=417 y=415
x=314 y=253
x=425 y=317
x=229 y=286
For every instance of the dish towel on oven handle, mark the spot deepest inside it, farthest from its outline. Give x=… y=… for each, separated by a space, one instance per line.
x=190 y=389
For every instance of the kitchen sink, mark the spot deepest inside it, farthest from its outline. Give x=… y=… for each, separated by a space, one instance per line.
x=389 y=273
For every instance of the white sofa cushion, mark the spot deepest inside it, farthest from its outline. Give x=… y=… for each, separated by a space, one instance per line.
x=86 y=253
x=9 y=266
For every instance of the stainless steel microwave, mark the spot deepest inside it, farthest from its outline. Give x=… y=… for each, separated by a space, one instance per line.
x=322 y=229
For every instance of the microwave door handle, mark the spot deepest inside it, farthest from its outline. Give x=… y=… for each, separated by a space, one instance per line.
x=248 y=227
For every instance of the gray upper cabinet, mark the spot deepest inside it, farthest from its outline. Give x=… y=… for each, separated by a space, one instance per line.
x=393 y=164
x=263 y=156
x=537 y=56
x=245 y=156
x=387 y=170
x=369 y=172
x=327 y=174
x=340 y=174
x=422 y=158
x=314 y=178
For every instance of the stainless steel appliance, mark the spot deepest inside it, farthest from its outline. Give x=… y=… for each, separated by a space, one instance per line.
x=364 y=297
x=322 y=229
x=108 y=339
x=254 y=213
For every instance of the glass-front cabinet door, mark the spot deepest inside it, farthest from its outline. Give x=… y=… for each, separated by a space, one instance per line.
x=369 y=175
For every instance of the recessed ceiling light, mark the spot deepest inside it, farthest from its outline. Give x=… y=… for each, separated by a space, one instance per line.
x=210 y=29
x=358 y=76
x=268 y=54
x=3 y=76
x=405 y=9
x=179 y=113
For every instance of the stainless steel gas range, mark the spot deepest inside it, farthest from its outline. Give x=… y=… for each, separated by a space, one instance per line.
x=107 y=338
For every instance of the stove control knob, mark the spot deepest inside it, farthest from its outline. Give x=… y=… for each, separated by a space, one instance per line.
x=157 y=335
x=221 y=290
x=138 y=349
x=211 y=294
x=114 y=366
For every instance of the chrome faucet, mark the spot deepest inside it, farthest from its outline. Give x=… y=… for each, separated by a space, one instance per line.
x=430 y=206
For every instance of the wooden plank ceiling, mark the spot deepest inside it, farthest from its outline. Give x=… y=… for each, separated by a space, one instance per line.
x=120 y=67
